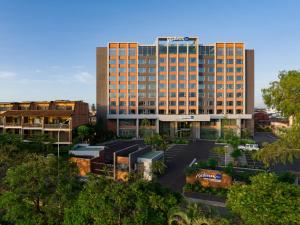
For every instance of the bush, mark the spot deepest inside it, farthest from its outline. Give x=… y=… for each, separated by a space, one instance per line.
x=236 y=153
x=229 y=169
x=287 y=177
x=212 y=163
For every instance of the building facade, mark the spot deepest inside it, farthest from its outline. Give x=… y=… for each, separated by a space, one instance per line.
x=30 y=119
x=178 y=85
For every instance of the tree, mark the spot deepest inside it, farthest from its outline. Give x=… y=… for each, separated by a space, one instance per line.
x=265 y=201
x=83 y=132
x=93 y=108
x=284 y=96
x=158 y=167
x=35 y=194
x=104 y=201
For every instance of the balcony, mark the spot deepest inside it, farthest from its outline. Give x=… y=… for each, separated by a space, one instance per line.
x=13 y=124
x=32 y=125
x=57 y=126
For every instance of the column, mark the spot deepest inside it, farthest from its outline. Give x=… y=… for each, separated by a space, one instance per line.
x=157 y=125
x=196 y=129
x=137 y=128
x=118 y=133
x=219 y=127
x=238 y=127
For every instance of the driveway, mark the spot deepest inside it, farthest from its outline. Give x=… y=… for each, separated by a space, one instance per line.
x=178 y=158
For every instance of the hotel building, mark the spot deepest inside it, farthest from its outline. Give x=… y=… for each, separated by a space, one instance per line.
x=182 y=87
x=30 y=119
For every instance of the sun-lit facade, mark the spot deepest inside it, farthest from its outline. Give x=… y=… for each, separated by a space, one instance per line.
x=182 y=87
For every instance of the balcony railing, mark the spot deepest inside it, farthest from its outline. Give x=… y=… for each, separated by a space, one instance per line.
x=57 y=126
x=13 y=124
x=32 y=125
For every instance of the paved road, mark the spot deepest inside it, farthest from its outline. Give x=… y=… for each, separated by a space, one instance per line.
x=178 y=158
x=261 y=137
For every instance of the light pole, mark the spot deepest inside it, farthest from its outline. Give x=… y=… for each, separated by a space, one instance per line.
x=58 y=140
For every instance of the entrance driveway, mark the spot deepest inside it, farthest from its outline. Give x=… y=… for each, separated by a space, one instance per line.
x=178 y=158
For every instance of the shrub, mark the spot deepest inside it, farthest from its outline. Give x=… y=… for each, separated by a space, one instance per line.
x=212 y=163
x=287 y=177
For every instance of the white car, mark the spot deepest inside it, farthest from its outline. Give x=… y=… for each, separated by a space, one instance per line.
x=249 y=147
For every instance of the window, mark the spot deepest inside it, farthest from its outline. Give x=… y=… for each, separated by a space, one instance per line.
x=239 y=78
x=112 y=61
x=122 y=78
x=162 y=77
x=219 y=86
x=112 y=51
x=229 y=86
x=239 y=95
x=142 y=78
x=192 y=94
x=229 y=61
x=131 y=61
x=151 y=78
x=192 y=68
x=181 y=68
x=172 y=68
x=122 y=61
x=193 y=60
x=229 y=95
x=162 y=69
x=192 y=103
x=171 y=86
x=192 y=49
x=229 y=103
x=219 y=78
x=122 y=95
x=239 y=61
x=131 y=95
x=152 y=61
x=112 y=111
x=112 y=78
x=219 y=103
x=181 y=77
x=192 y=77
x=181 y=103
x=142 y=95
x=201 y=61
x=220 y=61
x=210 y=78
x=219 y=69
x=201 y=78
x=162 y=60
x=182 y=49
x=229 y=51
x=172 y=103
x=210 y=61
x=141 y=86
x=112 y=95
x=229 y=69
x=181 y=85
x=122 y=51
x=122 y=87
x=172 y=77
x=131 y=69
x=112 y=103
x=122 y=70
x=239 y=69
x=151 y=69
x=239 y=51
x=173 y=94
x=220 y=51
x=210 y=86
x=112 y=70
x=172 y=60
x=219 y=94
x=211 y=69
x=201 y=70
x=131 y=87
x=230 y=78
x=162 y=103
x=162 y=49
x=201 y=86
x=239 y=86
x=142 y=61
x=192 y=85
x=151 y=86
x=131 y=51
x=181 y=60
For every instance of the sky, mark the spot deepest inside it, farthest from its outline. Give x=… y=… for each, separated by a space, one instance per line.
x=48 y=48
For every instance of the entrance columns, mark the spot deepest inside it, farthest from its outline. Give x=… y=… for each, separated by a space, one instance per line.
x=219 y=127
x=238 y=127
x=157 y=125
x=137 y=128
x=196 y=129
x=118 y=128
x=173 y=129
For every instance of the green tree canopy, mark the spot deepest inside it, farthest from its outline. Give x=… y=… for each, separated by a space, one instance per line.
x=34 y=194
x=284 y=96
x=266 y=201
x=108 y=202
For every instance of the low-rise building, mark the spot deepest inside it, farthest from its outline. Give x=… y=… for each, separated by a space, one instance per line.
x=50 y=118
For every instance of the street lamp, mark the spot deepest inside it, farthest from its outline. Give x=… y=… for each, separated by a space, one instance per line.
x=58 y=137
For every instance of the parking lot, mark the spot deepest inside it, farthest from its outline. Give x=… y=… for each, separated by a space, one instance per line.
x=178 y=157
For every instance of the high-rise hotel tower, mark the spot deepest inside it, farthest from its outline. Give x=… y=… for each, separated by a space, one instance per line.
x=176 y=86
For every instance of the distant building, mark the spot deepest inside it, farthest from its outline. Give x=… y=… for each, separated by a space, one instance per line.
x=183 y=87
x=29 y=119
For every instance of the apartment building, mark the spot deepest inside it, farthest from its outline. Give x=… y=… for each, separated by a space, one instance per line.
x=183 y=88
x=29 y=119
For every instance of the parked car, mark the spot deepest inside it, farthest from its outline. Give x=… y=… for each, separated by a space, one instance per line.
x=249 y=147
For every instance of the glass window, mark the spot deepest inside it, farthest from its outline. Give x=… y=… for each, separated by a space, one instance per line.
x=181 y=68
x=220 y=51
x=162 y=77
x=172 y=60
x=122 y=78
x=172 y=68
x=112 y=86
x=131 y=69
x=112 y=61
x=142 y=61
x=172 y=85
x=131 y=87
x=132 y=51
x=112 y=95
x=182 y=49
x=162 y=49
x=152 y=61
x=220 y=61
x=210 y=78
x=131 y=61
x=219 y=78
x=210 y=86
x=142 y=78
x=192 y=68
x=192 y=94
x=201 y=78
x=181 y=85
x=201 y=70
x=151 y=69
x=181 y=77
x=219 y=94
x=122 y=51
x=181 y=94
x=193 y=60
x=181 y=60
x=162 y=86
x=112 y=51
x=172 y=49
x=229 y=61
x=192 y=49
x=239 y=61
x=172 y=77
x=239 y=94
x=192 y=85
x=239 y=86
x=239 y=78
x=112 y=70
x=201 y=61
x=201 y=86
x=219 y=69
x=141 y=86
x=219 y=86
x=162 y=60
x=181 y=103
x=192 y=77
x=229 y=86
x=112 y=78
x=122 y=61
x=229 y=95
x=230 y=78
x=211 y=69
x=173 y=94
x=210 y=61
x=239 y=51
x=122 y=95
x=239 y=69
x=229 y=51
x=122 y=70
x=142 y=70
x=229 y=69
x=151 y=78
x=162 y=94
x=122 y=86
x=162 y=69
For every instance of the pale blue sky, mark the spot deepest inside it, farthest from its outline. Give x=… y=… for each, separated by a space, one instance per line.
x=47 y=48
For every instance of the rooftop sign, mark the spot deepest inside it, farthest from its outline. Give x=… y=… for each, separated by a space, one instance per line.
x=177 y=39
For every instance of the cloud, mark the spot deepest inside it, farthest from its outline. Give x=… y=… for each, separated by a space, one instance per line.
x=78 y=67
x=7 y=75
x=55 y=67
x=84 y=77
x=38 y=71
